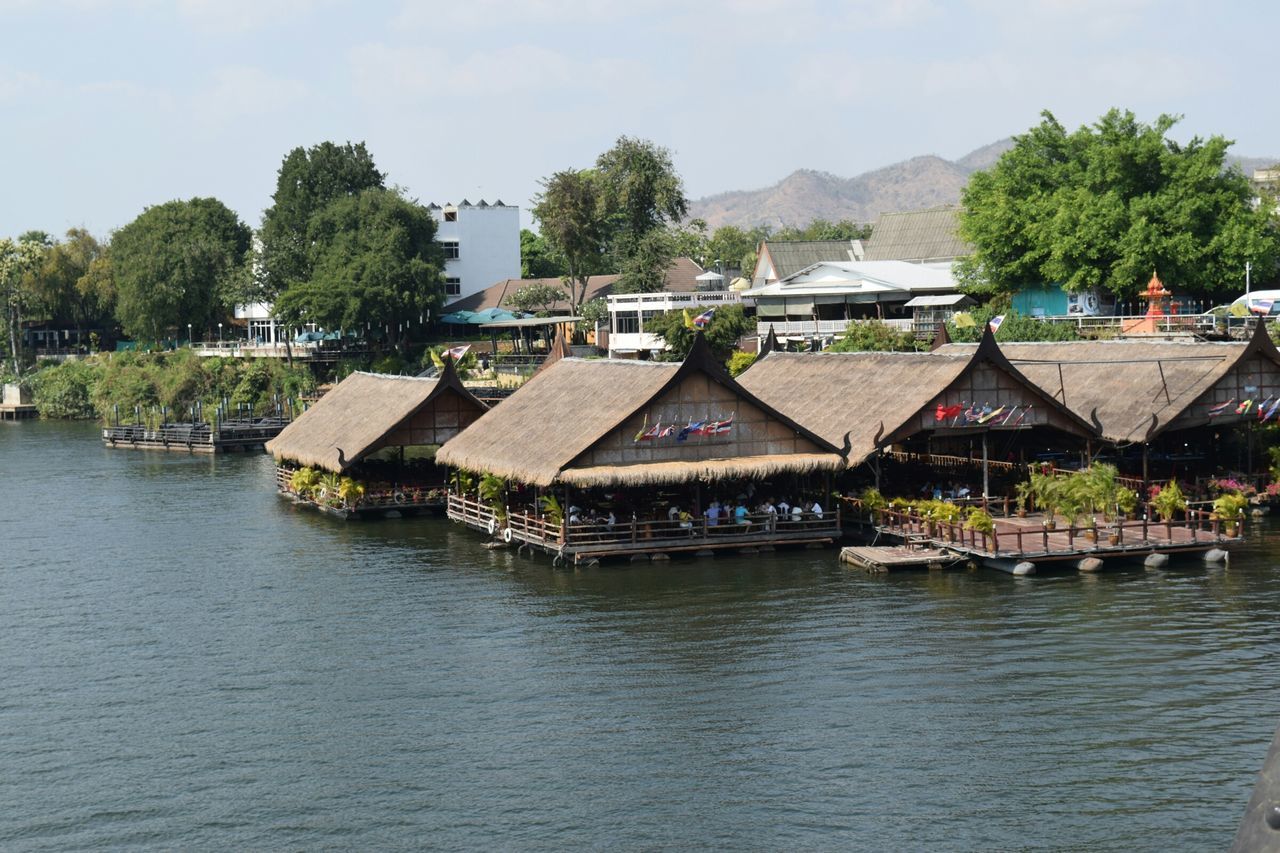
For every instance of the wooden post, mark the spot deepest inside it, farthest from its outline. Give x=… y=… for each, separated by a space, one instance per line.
x=986 y=469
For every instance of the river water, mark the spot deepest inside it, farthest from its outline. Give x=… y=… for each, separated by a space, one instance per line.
x=192 y=663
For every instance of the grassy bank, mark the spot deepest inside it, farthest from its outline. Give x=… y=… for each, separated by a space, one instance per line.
x=94 y=387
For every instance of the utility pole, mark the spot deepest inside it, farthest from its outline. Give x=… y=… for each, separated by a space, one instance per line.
x=1247 y=268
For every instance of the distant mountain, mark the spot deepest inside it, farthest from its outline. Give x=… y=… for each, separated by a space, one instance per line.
x=913 y=184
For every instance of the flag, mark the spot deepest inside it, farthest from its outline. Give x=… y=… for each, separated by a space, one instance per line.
x=994 y=323
x=1025 y=412
x=1262 y=306
x=690 y=429
x=651 y=433
x=703 y=319
x=1008 y=416
x=963 y=320
x=945 y=412
x=667 y=431
x=990 y=414
x=723 y=427
x=1262 y=406
x=1243 y=408
x=972 y=413
x=688 y=319
x=1271 y=411
x=456 y=353
x=1222 y=407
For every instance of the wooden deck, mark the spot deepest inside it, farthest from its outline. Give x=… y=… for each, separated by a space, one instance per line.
x=18 y=411
x=404 y=501
x=889 y=558
x=578 y=543
x=229 y=436
x=1020 y=541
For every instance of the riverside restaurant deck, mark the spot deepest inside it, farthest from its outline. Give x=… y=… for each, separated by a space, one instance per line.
x=605 y=458
x=223 y=436
x=1025 y=545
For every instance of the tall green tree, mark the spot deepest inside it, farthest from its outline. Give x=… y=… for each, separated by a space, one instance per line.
x=643 y=198
x=174 y=264
x=727 y=327
x=569 y=211
x=308 y=181
x=537 y=260
x=1104 y=206
x=374 y=262
x=19 y=260
x=535 y=297
x=66 y=291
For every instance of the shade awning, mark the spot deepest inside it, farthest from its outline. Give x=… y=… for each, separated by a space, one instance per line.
x=938 y=300
x=707 y=469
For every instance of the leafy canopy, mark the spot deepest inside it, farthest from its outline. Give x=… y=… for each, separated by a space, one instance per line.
x=728 y=325
x=874 y=336
x=1104 y=206
x=172 y=265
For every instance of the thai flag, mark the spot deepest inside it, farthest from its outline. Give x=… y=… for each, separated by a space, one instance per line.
x=723 y=427
x=1262 y=306
x=704 y=319
x=1220 y=408
x=456 y=353
x=994 y=323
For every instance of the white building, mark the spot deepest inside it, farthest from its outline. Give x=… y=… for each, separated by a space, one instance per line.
x=628 y=313
x=481 y=245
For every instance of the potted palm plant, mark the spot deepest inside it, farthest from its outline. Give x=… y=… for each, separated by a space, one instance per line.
x=1230 y=507
x=1169 y=501
x=1025 y=492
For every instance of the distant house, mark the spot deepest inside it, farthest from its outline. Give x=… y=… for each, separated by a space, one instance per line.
x=681 y=278
x=778 y=259
x=929 y=237
x=818 y=302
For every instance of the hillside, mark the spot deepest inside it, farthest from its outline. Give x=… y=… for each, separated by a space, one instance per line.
x=913 y=184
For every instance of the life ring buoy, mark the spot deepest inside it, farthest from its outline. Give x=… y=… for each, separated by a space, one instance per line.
x=493 y=526
x=507 y=534
x=398 y=497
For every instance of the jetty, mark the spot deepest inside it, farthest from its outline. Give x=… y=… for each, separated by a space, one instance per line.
x=229 y=436
x=15 y=403
x=1036 y=543
x=889 y=558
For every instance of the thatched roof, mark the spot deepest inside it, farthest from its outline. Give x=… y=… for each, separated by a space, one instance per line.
x=1136 y=388
x=875 y=397
x=353 y=419
x=561 y=423
x=559 y=349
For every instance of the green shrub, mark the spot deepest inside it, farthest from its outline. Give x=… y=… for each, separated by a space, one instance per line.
x=65 y=390
x=740 y=361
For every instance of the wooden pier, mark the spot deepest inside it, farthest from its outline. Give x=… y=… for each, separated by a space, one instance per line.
x=890 y=558
x=1025 y=545
x=228 y=436
x=650 y=539
x=18 y=411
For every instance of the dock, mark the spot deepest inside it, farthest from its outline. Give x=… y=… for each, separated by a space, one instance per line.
x=230 y=436
x=18 y=411
x=889 y=558
x=1020 y=546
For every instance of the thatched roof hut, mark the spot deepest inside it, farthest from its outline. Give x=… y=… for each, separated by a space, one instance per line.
x=369 y=411
x=876 y=398
x=1139 y=389
x=588 y=422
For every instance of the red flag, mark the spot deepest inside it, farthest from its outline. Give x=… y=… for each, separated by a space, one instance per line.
x=945 y=412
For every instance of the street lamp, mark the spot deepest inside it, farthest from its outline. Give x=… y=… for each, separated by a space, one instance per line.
x=219 y=334
x=190 y=342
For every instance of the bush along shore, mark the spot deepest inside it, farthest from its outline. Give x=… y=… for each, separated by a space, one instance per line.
x=129 y=382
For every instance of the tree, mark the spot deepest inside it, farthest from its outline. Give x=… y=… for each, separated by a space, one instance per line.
x=70 y=285
x=874 y=336
x=642 y=188
x=535 y=297
x=1106 y=205
x=18 y=260
x=568 y=211
x=736 y=247
x=374 y=262
x=173 y=263
x=726 y=328
x=644 y=266
x=821 y=229
x=536 y=258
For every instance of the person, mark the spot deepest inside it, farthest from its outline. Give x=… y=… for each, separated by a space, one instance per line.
x=686 y=521
x=784 y=508
x=797 y=513
x=962 y=491
x=610 y=521
x=816 y=509
x=575 y=515
x=713 y=514
x=673 y=513
x=740 y=515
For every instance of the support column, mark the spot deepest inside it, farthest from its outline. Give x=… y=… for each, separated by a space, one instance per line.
x=986 y=468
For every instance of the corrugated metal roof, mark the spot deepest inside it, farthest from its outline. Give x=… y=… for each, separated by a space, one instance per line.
x=940 y=299
x=917 y=235
x=791 y=256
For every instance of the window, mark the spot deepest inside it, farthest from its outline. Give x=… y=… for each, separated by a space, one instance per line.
x=451 y=216
x=452 y=286
x=626 y=323
x=450 y=250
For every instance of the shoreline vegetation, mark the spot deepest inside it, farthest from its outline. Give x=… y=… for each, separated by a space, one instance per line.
x=97 y=385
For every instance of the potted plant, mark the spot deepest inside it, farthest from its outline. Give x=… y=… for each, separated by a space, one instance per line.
x=1126 y=502
x=1169 y=501
x=1049 y=493
x=350 y=491
x=980 y=520
x=1026 y=493
x=1230 y=507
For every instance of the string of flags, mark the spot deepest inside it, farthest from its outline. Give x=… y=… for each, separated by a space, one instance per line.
x=1265 y=412
x=704 y=428
x=984 y=415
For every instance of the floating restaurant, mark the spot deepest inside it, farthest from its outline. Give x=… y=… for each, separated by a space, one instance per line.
x=368 y=446
x=605 y=458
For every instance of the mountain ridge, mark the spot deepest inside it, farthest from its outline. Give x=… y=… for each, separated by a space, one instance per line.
x=927 y=180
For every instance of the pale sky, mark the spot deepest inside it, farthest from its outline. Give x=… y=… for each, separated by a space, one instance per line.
x=107 y=106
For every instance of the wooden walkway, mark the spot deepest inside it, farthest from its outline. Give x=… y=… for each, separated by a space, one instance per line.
x=888 y=558
x=18 y=411
x=229 y=436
